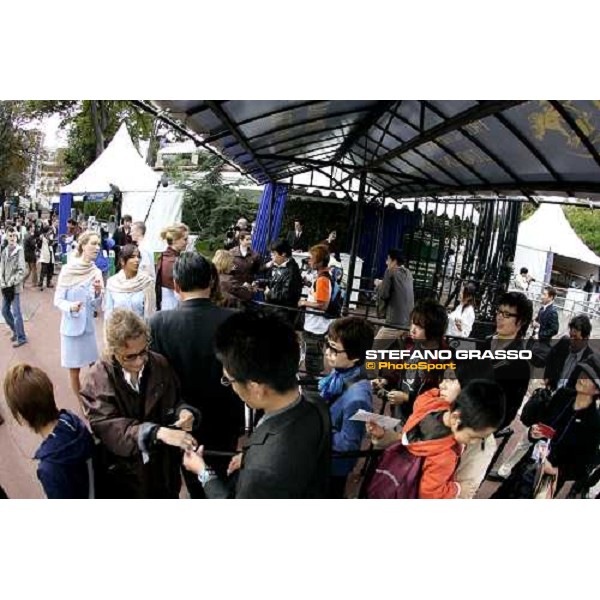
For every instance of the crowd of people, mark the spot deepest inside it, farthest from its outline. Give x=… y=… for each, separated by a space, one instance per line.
x=235 y=377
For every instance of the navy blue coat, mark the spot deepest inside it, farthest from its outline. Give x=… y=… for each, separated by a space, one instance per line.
x=63 y=459
x=548 y=320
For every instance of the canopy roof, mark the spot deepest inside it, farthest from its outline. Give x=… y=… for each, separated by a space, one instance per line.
x=119 y=164
x=548 y=230
x=409 y=148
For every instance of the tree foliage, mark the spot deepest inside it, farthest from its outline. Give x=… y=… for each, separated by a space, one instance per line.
x=16 y=147
x=210 y=206
x=91 y=125
x=586 y=223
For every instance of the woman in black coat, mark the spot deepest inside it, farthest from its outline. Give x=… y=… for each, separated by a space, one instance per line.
x=574 y=416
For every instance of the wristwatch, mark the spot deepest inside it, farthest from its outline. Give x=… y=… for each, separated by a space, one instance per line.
x=205 y=476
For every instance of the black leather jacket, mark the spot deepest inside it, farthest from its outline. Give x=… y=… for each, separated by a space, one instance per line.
x=285 y=284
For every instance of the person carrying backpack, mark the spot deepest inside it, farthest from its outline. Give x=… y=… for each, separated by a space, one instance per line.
x=421 y=460
x=316 y=322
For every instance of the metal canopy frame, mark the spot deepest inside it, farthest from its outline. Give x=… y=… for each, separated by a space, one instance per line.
x=493 y=154
x=406 y=148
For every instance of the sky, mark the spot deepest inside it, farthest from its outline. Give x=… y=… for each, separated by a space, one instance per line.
x=55 y=138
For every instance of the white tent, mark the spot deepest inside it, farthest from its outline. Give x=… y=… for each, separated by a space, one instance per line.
x=545 y=234
x=121 y=165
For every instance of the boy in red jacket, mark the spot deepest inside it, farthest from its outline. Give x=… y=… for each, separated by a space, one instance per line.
x=438 y=433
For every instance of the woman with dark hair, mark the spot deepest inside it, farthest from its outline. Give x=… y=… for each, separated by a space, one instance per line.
x=461 y=319
x=133 y=402
x=130 y=288
x=429 y=321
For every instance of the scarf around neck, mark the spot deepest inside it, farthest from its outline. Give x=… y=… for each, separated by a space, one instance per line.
x=77 y=272
x=142 y=282
x=333 y=385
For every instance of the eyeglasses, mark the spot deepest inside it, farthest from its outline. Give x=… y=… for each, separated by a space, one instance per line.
x=332 y=348
x=506 y=314
x=129 y=358
x=226 y=381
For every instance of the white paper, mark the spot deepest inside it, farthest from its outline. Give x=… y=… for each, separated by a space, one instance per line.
x=381 y=420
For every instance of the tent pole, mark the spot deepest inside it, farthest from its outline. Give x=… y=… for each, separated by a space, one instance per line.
x=359 y=204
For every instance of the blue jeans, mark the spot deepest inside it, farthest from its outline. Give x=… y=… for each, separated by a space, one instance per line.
x=14 y=318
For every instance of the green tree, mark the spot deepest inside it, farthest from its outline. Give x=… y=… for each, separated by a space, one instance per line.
x=210 y=206
x=586 y=223
x=16 y=148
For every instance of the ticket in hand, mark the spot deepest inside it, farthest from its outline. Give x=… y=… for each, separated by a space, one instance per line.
x=381 y=420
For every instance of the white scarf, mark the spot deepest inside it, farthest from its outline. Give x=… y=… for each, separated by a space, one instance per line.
x=78 y=272
x=142 y=282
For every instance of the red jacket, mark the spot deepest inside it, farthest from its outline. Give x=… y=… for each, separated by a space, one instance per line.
x=441 y=455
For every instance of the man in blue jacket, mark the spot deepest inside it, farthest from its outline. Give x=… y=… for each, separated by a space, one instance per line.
x=547 y=317
x=346 y=389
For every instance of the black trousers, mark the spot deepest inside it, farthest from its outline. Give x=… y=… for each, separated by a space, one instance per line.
x=46 y=272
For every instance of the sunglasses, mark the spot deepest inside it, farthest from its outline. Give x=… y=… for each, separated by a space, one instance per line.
x=132 y=357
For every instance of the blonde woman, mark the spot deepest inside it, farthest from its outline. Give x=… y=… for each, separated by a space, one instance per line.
x=176 y=237
x=78 y=296
x=231 y=291
x=132 y=398
x=130 y=288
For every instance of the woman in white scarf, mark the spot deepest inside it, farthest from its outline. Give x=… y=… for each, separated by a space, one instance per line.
x=79 y=296
x=130 y=288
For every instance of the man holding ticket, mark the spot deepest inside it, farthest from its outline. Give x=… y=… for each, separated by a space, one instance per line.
x=347 y=390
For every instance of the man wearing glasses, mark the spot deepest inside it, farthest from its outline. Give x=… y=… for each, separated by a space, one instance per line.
x=513 y=318
x=288 y=454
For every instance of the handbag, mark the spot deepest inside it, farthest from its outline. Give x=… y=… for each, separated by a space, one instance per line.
x=540 y=351
x=9 y=293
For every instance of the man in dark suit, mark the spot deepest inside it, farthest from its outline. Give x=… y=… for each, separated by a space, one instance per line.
x=297 y=238
x=567 y=353
x=288 y=454
x=547 y=317
x=185 y=336
x=122 y=237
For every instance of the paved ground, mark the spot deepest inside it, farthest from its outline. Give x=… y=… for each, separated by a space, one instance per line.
x=18 y=444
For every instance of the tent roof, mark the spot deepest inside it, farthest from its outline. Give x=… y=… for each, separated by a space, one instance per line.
x=119 y=164
x=548 y=230
x=409 y=148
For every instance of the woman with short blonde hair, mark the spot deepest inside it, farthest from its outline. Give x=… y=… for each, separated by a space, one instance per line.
x=132 y=396
x=176 y=236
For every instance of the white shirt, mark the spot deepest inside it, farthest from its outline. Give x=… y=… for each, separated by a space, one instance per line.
x=134 y=385
x=467 y=317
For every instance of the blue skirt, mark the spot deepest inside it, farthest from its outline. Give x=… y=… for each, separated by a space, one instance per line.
x=78 y=351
